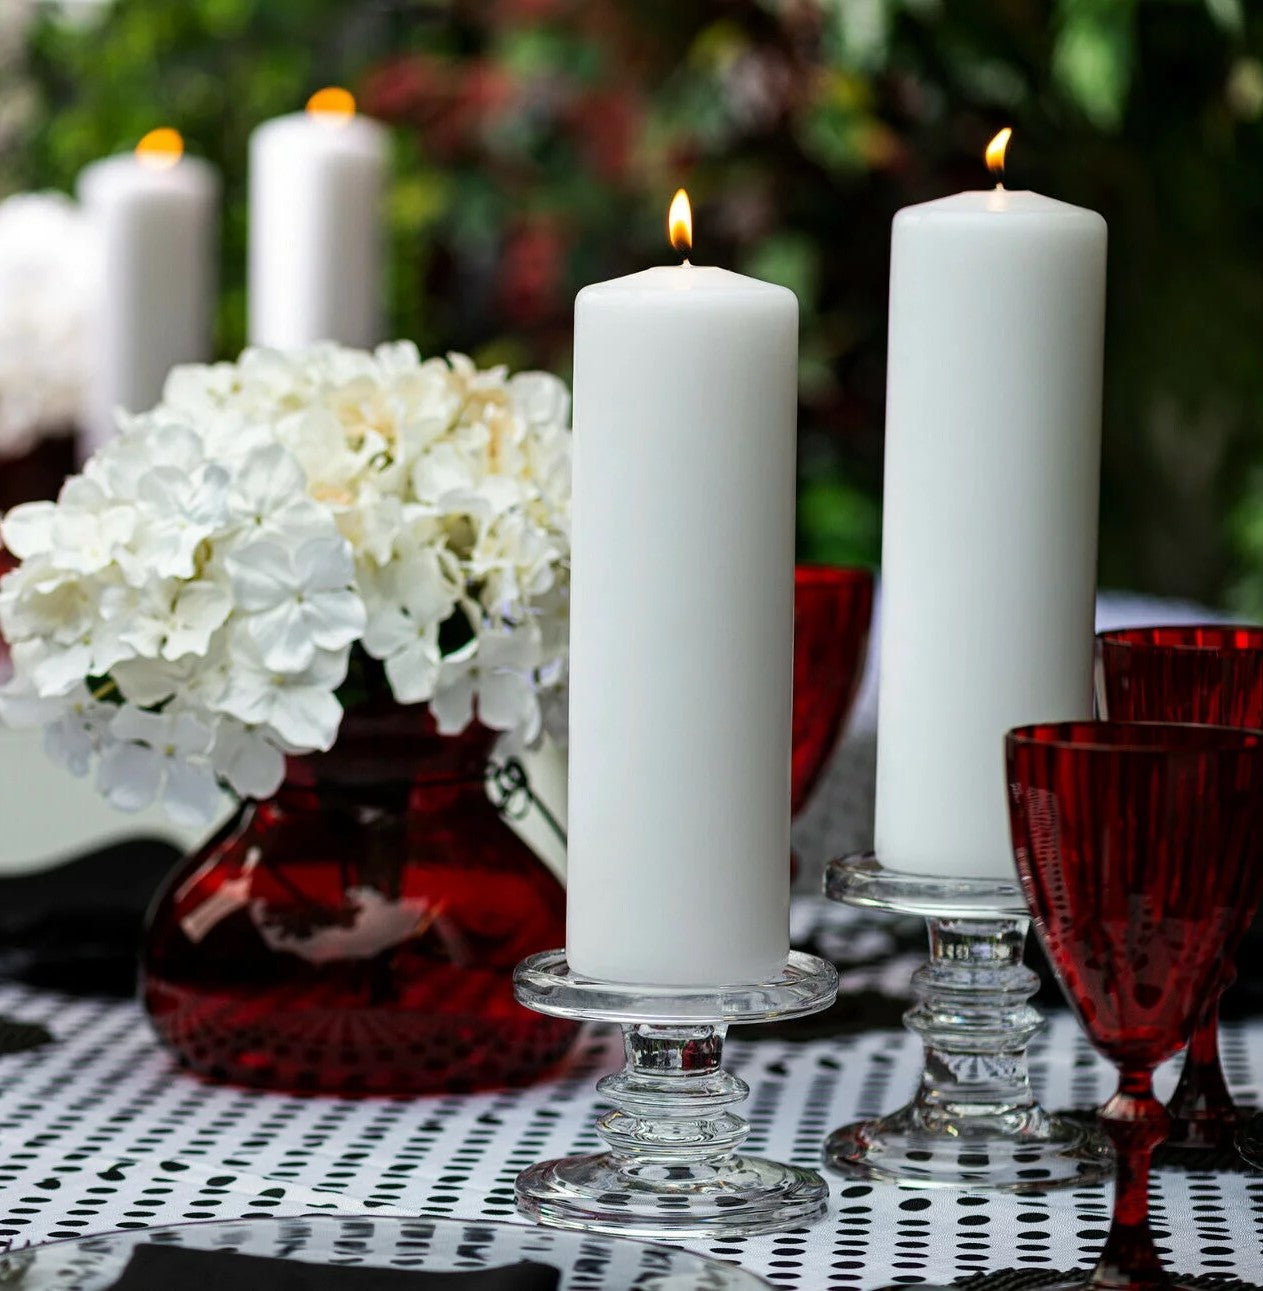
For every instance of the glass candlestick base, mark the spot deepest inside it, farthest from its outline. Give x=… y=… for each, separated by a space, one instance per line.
x=672 y=1169
x=974 y=1122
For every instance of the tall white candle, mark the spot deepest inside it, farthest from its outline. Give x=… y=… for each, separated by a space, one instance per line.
x=681 y=628
x=990 y=517
x=156 y=212
x=315 y=250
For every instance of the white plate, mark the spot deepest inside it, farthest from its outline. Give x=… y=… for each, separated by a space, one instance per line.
x=587 y=1262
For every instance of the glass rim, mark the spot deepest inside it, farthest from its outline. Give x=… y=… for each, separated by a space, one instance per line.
x=1136 y=638
x=832 y=575
x=1206 y=737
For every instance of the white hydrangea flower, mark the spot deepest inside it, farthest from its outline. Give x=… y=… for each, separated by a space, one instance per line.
x=246 y=760
x=162 y=756
x=84 y=531
x=297 y=601
x=176 y=513
x=21 y=707
x=40 y=602
x=408 y=602
x=79 y=733
x=187 y=612
x=269 y=495
x=299 y=708
x=492 y=674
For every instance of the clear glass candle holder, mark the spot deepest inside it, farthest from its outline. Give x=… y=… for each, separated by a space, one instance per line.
x=974 y=1121
x=672 y=1167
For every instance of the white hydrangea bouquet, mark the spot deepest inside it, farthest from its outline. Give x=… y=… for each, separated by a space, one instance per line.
x=281 y=537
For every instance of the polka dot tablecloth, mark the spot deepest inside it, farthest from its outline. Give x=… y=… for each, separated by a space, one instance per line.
x=99 y=1131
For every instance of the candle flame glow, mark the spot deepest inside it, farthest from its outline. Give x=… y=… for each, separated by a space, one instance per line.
x=160 y=149
x=680 y=222
x=333 y=103
x=996 y=150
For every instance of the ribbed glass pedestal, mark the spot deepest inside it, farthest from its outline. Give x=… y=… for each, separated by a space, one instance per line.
x=673 y=1168
x=974 y=1121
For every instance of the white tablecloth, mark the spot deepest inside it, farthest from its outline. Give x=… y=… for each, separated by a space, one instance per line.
x=100 y=1131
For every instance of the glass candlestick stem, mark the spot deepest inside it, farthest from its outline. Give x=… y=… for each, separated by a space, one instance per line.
x=974 y=1121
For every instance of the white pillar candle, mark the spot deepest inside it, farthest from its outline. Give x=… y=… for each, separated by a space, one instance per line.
x=156 y=212
x=315 y=247
x=990 y=516
x=681 y=628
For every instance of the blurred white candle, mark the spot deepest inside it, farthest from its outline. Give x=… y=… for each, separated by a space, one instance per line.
x=681 y=628
x=315 y=253
x=156 y=212
x=993 y=421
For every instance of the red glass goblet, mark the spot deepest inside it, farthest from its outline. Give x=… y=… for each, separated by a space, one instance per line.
x=833 y=608
x=1204 y=673
x=1135 y=844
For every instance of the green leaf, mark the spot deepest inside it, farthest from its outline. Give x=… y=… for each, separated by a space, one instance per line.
x=1092 y=57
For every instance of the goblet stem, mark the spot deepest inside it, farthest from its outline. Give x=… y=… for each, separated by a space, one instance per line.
x=1136 y=1123
x=1203 y=1114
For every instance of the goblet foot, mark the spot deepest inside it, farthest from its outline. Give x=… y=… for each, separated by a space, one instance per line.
x=731 y=1195
x=1045 y=1280
x=1202 y=1134
x=1249 y=1139
x=1026 y=1150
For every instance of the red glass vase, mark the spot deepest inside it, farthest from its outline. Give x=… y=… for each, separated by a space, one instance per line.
x=358 y=931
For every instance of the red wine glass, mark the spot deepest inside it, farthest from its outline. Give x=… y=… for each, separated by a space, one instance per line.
x=1135 y=844
x=1204 y=673
x=833 y=607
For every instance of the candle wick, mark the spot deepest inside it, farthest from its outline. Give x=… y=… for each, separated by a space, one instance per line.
x=687 y=261
x=999 y=186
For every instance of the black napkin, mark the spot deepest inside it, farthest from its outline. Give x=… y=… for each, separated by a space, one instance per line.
x=161 y=1268
x=77 y=927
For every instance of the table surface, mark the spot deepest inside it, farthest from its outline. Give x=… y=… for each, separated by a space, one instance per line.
x=100 y=1131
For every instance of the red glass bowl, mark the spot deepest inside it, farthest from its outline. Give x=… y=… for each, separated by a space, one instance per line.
x=1136 y=843
x=1207 y=673
x=833 y=608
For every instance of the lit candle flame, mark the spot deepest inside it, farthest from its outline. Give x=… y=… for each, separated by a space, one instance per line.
x=333 y=103
x=680 y=223
x=160 y=149
x=995 y=153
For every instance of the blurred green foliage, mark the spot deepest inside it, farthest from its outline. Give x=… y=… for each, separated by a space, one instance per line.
x=538 y=141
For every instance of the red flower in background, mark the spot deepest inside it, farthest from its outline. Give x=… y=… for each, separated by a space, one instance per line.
x=448 y=104
x=396 y=89
x=605 y=124
x=532 y=272
x=526 y=11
